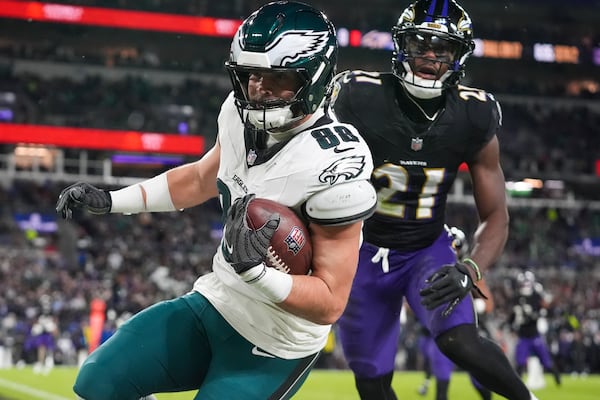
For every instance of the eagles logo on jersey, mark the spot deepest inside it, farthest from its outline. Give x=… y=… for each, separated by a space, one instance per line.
x=345 y=168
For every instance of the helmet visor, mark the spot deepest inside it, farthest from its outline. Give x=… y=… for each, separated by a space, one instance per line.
x=265 y=88
x=432 y=46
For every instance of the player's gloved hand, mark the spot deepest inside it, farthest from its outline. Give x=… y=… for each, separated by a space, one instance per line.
x=450 y=284
x=83 y=195
x=243 y=246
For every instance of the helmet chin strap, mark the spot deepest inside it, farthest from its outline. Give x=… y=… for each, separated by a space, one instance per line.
x=422 y=88
x=275 y=118
x=286 y=130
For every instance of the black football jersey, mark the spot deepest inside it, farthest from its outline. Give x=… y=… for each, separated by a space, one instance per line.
x=416 y=158
x=525 y=314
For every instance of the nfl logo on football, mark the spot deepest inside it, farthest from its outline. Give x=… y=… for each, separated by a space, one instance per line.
x=295 y=240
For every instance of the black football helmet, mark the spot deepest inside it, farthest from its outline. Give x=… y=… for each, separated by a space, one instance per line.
x=283 y=36
x=437 y=30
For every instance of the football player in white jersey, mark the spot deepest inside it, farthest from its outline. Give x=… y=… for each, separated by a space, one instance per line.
x=247 y=331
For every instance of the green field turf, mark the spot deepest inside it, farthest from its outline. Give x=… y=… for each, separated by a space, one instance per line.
x=22 y=384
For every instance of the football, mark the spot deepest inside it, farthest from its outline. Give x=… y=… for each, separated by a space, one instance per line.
x=290 y=250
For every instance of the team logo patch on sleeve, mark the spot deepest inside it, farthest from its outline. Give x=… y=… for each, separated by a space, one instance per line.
x=344 y=168
x=295 y=240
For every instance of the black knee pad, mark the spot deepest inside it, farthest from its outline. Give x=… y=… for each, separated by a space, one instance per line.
x=379 y=388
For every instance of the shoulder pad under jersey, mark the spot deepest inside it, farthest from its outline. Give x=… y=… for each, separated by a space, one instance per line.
x=342 y=204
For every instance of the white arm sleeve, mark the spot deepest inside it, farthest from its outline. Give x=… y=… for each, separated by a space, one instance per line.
x=342 y=204
x=130 y=200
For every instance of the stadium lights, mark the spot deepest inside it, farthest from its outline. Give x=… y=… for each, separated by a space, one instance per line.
x=225 y=27
x=143 y=159
x=26 y=156
x=547 y=52
x=520 y=188
x=101 y=139
x=526 y=187
x=116 y=18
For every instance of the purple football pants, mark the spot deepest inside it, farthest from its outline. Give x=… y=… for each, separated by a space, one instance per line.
x=534 y=346
x=441 y=366
x=370 y=326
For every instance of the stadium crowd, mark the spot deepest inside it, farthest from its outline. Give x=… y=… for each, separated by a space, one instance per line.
x=133 y=261
x=130 y=51
x=376 y=15
x=50 y=275
x=135 y=103
x=132 y=103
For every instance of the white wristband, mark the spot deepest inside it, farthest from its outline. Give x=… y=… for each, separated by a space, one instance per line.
x=276 y=285
x=158 y=197
x=130 y=199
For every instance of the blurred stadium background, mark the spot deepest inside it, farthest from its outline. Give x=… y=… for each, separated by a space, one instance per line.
x=114 y=91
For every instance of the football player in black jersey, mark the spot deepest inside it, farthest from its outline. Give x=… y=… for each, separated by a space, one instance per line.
x=529 y=305
x=421 y=125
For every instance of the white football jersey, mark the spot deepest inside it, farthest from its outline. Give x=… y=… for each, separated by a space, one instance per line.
x=323 y=154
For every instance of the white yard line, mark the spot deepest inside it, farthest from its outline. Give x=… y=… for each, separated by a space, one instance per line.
x=38 y=394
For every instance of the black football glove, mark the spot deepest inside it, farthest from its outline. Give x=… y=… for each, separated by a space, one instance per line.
x=450 y=284
x=243 y=246
x=83 y=195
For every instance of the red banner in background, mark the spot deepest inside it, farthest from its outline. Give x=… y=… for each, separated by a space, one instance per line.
x=100 y=139
x=127 y=19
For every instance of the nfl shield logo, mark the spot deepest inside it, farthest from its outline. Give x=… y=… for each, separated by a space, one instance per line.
x=295 y=240
x=251 y=157
x=416 y=144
